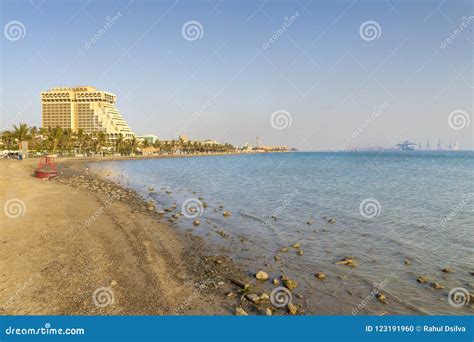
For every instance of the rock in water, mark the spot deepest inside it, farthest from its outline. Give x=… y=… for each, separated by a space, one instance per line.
x=296 y=245
x=261 y=275
x=301 y=252
x=447 y=270
x=253 y=298
x=320 y=275
x=196 y=223
x=437 y=285
x=240 y=312
x=290 y=284
x=349 y=261
x=275 y=282
x=331 y=220
x=225 y=213
x=381 y=297
x=422 y=279
x=292 y=309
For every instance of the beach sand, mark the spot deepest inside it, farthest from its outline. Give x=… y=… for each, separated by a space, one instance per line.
x=125 y=261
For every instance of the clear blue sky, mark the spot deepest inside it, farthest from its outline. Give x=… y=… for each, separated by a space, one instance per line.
x=319 y=69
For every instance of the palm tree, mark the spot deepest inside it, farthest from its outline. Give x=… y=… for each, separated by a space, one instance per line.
x=21 y=133
x=119 y=142
x=101 y=139
x=133 y=144
x=56 y=135
x=80 y=138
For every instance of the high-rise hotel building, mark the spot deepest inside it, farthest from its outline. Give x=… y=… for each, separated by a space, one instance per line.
x=83 y=107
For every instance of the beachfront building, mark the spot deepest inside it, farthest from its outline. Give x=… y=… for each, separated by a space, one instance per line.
x=83 y=107
x=151 y=138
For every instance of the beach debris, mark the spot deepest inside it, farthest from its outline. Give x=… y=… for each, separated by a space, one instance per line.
x=225 y=214
x=268 y=312
x=437 y=285
x=284 y=249
x=289 y=283
x=296 y=245
x=253 y=298
x=447 y=270
x=381 y=297
x=331 y=220
x=301 y=252
x=240 y=312
x=277 y=258
x=422 y=279
x=275 y=282
x=320 y=275
x=261 y=275
x=292 y=309
x=196 y=222
x=348 y=260
x=240 y=284
x=221 y=233
x=264 y=297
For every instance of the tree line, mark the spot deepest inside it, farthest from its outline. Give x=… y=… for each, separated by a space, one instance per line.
x=66 y=141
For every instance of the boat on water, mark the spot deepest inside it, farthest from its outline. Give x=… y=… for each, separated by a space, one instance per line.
x=46 y=169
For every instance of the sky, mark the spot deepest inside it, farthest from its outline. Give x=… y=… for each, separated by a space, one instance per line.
x=307 y=74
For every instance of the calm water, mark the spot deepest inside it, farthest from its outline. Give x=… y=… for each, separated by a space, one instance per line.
x=416 y=192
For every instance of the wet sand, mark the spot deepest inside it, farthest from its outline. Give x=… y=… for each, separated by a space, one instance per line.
x=127 y=260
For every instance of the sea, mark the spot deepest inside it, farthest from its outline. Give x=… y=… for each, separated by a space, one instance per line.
x=400 y=215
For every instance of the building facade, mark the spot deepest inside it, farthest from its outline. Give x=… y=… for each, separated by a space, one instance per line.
x=83 y=107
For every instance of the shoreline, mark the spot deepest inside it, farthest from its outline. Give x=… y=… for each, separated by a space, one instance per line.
x=127 y=257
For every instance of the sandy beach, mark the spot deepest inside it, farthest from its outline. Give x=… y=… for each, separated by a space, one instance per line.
x=56 y=261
